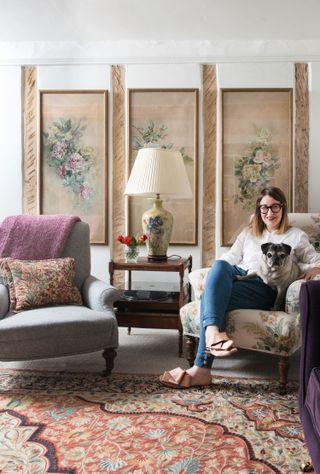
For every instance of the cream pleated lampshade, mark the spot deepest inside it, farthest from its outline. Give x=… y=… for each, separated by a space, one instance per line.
x=159 y=171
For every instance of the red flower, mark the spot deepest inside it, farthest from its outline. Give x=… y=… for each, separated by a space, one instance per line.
x=132 y=240
x=128 y=240
x=142 y=238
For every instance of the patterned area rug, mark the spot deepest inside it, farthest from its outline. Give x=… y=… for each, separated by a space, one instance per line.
x=84 y=423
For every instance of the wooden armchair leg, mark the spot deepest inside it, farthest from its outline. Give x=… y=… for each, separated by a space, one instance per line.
x=283 y=373
x=191 y=343
x=109 y=356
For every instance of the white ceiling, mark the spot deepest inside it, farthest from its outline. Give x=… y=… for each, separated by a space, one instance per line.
x=163 y=20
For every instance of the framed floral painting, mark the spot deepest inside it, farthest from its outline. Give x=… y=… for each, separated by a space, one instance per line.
x=256 y=152
x=73 y=157
x=167 y=118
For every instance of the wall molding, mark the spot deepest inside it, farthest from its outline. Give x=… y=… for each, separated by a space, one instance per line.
x=119 y=166
x=146 y=51
x=209 y=82
x=301 y=146
x=30 y=141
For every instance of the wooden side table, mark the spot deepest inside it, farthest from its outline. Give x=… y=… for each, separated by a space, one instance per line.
x=152 y=309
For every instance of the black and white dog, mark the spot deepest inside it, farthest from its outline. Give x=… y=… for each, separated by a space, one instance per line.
x=277 y=269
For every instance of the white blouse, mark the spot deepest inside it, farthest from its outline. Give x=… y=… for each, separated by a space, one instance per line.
x=246 y=251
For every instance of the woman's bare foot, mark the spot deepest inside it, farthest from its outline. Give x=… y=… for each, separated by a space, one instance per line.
x=200 y=376
x=213 y=335
x=218 y=343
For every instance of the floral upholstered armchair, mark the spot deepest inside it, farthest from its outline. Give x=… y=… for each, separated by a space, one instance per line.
x=273 y=332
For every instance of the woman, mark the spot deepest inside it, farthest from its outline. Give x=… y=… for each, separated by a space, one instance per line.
x=224 y=292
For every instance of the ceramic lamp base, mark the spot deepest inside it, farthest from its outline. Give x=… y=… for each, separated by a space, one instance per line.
x=157 y=258
x=157 y=225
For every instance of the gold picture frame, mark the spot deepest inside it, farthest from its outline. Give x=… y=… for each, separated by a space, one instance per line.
x=166 y=118
x=73 y=157
x=256 y=152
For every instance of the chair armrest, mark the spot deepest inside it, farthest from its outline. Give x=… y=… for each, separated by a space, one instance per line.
x=292 y=296
x=197 y=281
x=4 y=300
x=99 y=295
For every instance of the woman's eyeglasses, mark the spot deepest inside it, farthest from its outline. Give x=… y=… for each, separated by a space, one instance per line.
x=275 y=208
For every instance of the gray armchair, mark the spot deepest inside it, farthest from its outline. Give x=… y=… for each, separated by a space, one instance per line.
x=56 y=331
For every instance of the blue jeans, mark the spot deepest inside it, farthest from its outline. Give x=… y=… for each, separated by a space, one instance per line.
x=223 y=293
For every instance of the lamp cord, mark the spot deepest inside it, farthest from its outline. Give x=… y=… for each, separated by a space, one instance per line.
x=174 y=257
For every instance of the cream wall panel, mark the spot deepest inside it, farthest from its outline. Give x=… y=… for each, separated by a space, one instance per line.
x=314 y=147
x=164 y=75
x=74 y=77
x=10 y=142
x=254 y=75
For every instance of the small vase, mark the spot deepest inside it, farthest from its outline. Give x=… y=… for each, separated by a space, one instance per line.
x=132 y=253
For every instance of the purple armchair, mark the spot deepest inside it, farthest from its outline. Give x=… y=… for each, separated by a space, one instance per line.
x=309 y=401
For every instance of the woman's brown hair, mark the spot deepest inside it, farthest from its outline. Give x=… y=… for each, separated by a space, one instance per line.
x=257 y=225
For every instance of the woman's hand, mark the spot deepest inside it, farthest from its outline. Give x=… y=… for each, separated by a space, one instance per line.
x=310 y=274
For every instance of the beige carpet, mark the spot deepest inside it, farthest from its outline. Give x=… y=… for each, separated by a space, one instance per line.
x=151 y=351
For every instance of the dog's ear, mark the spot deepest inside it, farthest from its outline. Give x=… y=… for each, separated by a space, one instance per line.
x=287 y=248
x=265 y=247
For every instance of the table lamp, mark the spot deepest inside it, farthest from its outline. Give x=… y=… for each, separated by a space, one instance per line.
x=158 y=172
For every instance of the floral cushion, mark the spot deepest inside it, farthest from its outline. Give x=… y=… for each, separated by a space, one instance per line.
x=34 y=283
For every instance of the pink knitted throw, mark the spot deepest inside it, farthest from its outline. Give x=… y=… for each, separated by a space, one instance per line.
x=35 y=237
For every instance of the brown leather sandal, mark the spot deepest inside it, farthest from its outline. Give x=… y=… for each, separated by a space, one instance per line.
x=226 y=348
x=179 y=379
x=176 y=378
